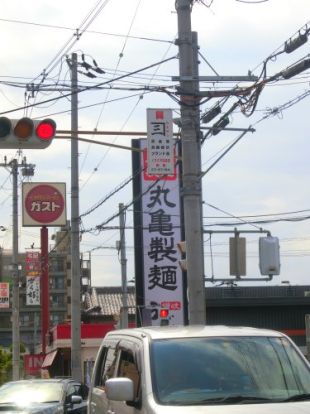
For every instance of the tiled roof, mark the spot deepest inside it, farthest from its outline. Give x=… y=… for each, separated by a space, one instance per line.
x=108 y=301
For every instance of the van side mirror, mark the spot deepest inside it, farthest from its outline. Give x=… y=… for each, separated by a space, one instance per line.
x=120 y=389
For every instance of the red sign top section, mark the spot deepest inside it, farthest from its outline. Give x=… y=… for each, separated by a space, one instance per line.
x=148 y=177
x=44 y=203
x=159 y=114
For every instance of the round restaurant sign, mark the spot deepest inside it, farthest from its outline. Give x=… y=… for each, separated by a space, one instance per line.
x=44 y=203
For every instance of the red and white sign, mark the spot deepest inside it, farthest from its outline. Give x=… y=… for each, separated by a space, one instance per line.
x=33 y=263
x=33 y=363
x=4 y=295
x=161 y=224
x=160 y=153
x=44 y=204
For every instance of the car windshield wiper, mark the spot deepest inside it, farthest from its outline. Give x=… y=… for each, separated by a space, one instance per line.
x=297 y=397
x=235 y=399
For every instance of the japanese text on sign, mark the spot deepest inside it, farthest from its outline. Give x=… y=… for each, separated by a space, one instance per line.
x=32 y=290
x=33 y=272
x=163 y=281
x=160 y=153
x=44 y=204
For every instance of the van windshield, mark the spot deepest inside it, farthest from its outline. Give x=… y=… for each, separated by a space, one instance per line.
x=228 y=370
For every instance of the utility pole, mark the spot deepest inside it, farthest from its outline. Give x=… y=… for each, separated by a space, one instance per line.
x=307 y=322
x=27 y=170
x=15 y=278
x=76 y=368
x=122 y=248
x=191 y=161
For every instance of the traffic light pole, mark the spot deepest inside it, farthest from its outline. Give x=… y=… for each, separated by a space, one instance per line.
x=191 y=164
x=76 y=368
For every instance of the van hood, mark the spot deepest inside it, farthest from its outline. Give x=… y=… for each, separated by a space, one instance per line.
x=272 y=408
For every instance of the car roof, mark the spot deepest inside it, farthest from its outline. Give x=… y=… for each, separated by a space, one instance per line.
x=194 y=331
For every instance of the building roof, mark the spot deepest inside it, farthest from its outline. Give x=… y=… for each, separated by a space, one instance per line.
x=107 y=301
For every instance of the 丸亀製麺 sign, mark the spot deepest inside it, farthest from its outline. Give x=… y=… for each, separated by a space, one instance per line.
x=160 y=152
x=44 y=204
x=160 y=278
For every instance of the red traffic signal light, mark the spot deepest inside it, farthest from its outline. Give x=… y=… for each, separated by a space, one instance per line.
x=46 y=129
x=26 y=133
x=164 y=317
x=163 y=313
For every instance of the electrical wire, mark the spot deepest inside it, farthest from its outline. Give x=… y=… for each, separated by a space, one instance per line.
x=133 y=109
x=242 y=221
x=88 y=88
x=87 y=31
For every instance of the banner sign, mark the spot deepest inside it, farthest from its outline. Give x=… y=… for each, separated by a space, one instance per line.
x=33 y=274
x=160 y=156
x=161 y=280
x=4 y=295
x=44 y=204
x=33 y=263
x=33 y=290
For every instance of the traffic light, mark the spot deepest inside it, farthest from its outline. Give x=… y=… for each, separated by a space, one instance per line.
x=164 y=317
x=26 y=133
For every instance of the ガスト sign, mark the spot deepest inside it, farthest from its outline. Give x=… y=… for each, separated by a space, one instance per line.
x=44 y=204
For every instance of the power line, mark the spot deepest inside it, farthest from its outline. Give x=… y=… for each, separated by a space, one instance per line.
x=50 y=26
x=88 y=88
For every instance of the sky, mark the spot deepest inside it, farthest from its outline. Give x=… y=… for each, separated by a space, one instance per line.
x=261 y=183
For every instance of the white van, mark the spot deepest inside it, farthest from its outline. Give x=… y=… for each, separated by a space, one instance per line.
x=199 y=369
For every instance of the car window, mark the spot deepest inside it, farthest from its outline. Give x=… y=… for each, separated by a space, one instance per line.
x=127 y=367
x=259 y=367
x=107 y=363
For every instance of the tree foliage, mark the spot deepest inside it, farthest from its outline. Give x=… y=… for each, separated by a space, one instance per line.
x=6 y=363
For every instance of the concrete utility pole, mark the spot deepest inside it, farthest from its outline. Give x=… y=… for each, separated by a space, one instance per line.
x=307 y=323
x=76 y=368
x=28 y=170
x=122 y=248
x=191 y=162
x=15 y=278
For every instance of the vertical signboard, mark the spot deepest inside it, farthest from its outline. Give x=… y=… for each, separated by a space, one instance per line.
x=4 y=295
x=160 y=156
x=157 y=216
x=33 y=272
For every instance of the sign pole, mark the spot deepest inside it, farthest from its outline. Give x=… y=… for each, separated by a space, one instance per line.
x=44 y=287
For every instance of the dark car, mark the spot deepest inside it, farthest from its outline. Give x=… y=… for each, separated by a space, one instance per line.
x=43 y=396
